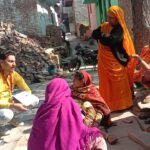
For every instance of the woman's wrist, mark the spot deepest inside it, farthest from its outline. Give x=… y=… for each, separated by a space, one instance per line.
x=12 y=104
x=140 y=59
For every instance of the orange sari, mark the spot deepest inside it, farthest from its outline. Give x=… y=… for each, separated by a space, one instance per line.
x=145 y=54
x=115 y=79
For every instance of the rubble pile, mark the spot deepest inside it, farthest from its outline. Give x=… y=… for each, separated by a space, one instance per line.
x=31 y=57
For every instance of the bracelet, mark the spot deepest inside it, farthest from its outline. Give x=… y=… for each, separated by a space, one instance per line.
x=140 y=59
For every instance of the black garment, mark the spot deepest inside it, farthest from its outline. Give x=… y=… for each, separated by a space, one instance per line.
x=114 y=41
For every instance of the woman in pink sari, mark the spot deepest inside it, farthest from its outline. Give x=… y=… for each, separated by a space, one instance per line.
x=58 y=124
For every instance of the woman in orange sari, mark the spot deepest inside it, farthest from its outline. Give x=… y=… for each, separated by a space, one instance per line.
x=115 y=69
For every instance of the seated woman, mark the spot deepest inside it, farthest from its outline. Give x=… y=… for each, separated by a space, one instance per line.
x=145 y=75
x=58 y=123
x=145 y=80
x=145 y=55
x=83 y=90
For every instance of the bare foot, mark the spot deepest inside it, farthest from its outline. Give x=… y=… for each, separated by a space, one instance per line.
x=112 y=139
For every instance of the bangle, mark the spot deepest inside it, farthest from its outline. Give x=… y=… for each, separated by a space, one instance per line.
x=140 y=59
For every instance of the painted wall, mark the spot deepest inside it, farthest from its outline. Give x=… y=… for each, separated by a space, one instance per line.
x=101 y=9
x=43 y=18
x=92 y=16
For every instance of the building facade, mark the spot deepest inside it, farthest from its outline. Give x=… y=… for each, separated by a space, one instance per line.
x=28 y=16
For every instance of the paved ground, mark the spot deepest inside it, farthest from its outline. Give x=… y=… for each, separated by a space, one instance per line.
x=127 y=125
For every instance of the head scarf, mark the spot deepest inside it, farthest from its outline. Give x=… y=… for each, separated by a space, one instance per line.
x=118 y=13
x=87 y=77
x=58 y=123
x=91 y=93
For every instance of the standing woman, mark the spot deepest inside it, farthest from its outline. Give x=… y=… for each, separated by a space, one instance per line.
x=114 y=67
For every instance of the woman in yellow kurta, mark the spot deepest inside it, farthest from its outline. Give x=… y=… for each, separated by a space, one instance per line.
x=115 y=68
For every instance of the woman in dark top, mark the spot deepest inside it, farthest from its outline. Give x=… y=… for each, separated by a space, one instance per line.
x=114 y=41
x=114 y=66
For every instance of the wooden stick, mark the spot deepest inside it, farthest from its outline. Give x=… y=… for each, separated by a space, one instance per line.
x=138 y=141
x=139 y=123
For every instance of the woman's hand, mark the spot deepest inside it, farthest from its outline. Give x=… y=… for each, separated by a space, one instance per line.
x=88 y=33
x=112 y=139
x=136 y=56
x=18 y=106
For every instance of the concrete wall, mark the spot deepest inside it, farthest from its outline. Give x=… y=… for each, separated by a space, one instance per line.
x=80 y=12
x=69 y=11
x=22 y=13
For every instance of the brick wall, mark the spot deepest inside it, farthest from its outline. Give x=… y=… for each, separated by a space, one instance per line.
x=22 y=13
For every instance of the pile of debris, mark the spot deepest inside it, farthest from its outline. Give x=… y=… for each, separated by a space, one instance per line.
x=53 y=37
x=31 y=57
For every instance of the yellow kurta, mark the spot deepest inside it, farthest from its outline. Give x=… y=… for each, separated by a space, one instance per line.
x=5 y=93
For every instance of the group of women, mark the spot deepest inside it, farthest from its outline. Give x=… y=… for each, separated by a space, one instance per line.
x=68 y=117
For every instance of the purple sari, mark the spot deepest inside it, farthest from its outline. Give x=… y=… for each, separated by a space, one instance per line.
x=58 y=123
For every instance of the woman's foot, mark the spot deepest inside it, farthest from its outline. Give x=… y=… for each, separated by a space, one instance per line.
x=109 y=124
x=111 y=139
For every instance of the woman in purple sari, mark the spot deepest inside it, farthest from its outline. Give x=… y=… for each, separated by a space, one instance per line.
x=58 y=124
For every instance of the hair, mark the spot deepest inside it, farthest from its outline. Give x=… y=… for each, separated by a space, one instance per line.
x=5 y=53
x=79 y=75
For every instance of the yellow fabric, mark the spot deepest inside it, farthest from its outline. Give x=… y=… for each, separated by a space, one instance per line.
x=116 y=80
x=5 y=94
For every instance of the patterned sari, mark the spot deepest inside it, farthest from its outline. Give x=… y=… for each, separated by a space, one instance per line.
x=91 y=93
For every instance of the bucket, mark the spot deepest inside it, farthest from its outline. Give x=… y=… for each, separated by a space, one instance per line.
x=51 y=69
